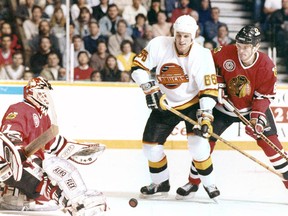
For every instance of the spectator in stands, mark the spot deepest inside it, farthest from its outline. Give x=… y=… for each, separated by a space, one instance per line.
x=6 y=29
x=75 y=9
x=114 y=41
x=91 y=40
x=138 y=28
x=195 y=15
x=124 y=60
x=6 y=51
x=269 y=7
x=121 y=4
x=125 y=77
x=44 y=30
x=141 y=42
x=183 y=9
x=24 y=11
x=58 y=27
x=52 y=5
x=162 y=27
x=96 y=76
x=153 y=11
x=51 y=72
x=39 y=60
x=30 y=26
x=209 y=45
x=278 y=24
x=108 y=23
x=78 y=46
x=97 y=60
x=83 y=70
x=82 y=22
x=100 y=10
x=198 y=37
x=111 y=73
x=28 y=74
x=204 y=11
x=15 y=70
x=170 y=5
x=211 y=26
x=131 y=11
x=222 y=38
x=93 y=3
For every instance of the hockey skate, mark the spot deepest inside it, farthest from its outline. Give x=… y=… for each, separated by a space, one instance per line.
x=186 y=192
x=152 y=190
x=212 y=192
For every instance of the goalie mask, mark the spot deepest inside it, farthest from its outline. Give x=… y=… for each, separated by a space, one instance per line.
x=186 y=24
x=36 y=92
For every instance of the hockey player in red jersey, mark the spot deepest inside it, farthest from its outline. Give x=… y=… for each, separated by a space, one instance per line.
x=247 y=79
x=186 y=75
x=37 y=178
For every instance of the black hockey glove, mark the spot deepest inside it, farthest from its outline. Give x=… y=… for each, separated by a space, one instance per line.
x=153 y=95
x=204 y=127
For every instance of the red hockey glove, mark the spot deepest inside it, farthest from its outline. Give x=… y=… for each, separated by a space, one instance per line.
x=204 y=127
x=258 y=123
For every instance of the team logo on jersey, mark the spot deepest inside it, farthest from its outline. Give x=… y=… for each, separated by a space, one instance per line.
x=240 y=86
x=11 y=115
x=36 y=120
x=172 y=76
x=229 y=65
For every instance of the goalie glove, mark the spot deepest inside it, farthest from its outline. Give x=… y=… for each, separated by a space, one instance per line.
x=204 y=127
x=153 y=95
x=258 y=122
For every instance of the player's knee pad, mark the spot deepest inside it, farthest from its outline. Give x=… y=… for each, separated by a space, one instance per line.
x=65 y=175
x=199 y=148
x=153 y=153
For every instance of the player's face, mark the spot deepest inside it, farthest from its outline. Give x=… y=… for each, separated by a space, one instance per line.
x=246 y=52
x=183 y=42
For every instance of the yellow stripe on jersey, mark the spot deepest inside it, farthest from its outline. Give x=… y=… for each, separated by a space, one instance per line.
x=203 y=165
x=211 y=92
x=190 y=103
x=159 y=164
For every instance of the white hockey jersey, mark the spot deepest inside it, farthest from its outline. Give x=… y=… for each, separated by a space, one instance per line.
x=181 y=77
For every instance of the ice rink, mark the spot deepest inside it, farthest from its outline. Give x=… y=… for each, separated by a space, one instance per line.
x=247 y=189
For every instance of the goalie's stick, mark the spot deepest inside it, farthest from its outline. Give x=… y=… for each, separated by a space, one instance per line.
x=41 y=140
x=233 y=109
x=191 y=121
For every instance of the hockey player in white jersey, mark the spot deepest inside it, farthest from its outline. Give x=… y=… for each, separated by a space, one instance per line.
x=31 y=182
x=185 y=79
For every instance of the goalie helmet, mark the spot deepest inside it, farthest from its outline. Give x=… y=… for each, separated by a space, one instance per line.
x=186 y=24
x=249 y=35
x=36 y=92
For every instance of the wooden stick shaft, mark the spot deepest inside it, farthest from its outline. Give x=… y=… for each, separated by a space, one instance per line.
x=233 y=109
x=191 y=121
x=41 y=141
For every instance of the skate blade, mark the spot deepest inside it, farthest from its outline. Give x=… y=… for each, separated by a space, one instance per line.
x=216 y=200
x=190 y=196
x=154 y=196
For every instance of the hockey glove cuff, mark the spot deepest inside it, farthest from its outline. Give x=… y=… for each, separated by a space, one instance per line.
x=153 y=95
x=258 y=123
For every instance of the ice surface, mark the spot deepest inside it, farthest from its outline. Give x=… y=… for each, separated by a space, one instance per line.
x=247 y=189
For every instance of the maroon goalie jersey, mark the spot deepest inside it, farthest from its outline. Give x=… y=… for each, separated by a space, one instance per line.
x=23 y=122
x=249 y=87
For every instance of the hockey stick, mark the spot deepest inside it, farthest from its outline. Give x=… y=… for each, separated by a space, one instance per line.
x=191 y=121
x=41 y=140
x=233 y=109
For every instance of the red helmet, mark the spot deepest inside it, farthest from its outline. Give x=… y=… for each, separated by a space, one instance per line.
x=36 y=92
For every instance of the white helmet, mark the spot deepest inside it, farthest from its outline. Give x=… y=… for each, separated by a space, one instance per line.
x=186 y=24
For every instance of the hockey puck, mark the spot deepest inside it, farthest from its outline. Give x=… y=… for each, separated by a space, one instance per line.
x=133 y=202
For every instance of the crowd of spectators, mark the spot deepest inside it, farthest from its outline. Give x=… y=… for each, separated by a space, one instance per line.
x=105 y=35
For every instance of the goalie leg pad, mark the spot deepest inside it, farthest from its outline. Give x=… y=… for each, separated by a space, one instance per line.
x=65 y=175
